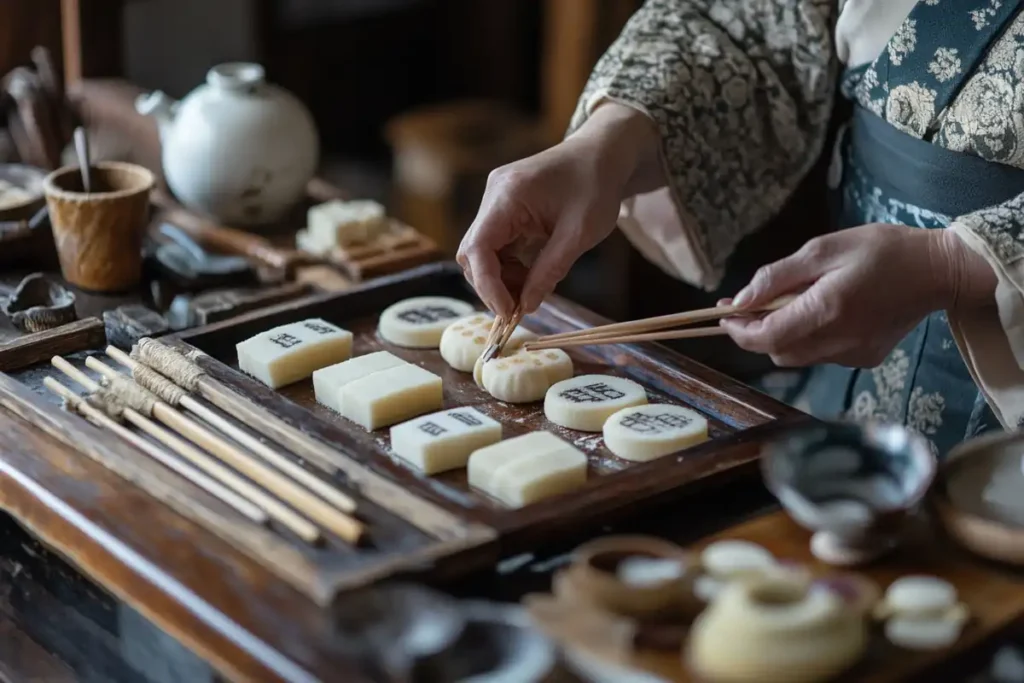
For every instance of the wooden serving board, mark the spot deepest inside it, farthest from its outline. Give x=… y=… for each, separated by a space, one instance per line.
x=994 y=595
x=736 y=413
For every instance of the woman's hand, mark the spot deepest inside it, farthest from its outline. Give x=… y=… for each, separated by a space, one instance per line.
x=554 y=206
x=864 y=289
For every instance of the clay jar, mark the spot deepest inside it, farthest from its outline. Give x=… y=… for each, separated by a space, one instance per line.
x=776 y=629
x=99 y=234
x=593 y=578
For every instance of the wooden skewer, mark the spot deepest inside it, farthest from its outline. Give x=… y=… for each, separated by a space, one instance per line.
x=691 y=333
x=329 y=493
x=346 y=527
x=222 y=493
x=662 y=322
x=280 y=512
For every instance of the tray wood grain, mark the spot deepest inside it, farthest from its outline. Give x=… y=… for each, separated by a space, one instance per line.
x=736 y=413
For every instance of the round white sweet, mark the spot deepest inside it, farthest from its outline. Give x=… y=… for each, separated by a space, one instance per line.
x=646 y=432
x=919 y=595
x=585 y=402
x=465 y=340
x=523 y=376
x=418 y=323
x=733 y=557
x=922 y=634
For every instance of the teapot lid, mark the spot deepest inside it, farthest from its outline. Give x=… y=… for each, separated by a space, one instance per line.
x=236 y=76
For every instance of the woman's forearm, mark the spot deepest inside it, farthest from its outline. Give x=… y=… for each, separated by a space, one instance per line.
x=630 y=147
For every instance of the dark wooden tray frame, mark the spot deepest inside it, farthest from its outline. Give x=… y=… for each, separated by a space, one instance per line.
x=731 y=405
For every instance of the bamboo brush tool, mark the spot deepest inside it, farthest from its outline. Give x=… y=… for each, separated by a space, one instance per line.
x=339 y=523
x=238 y=503
x=175 y=396
x=278 y=511
x=501 y=332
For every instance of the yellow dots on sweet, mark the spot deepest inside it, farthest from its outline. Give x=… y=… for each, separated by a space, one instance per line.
x=538 y=363
x=467 y=333
x=479 y=340
x=502 y=365
x=551 y=356
x=518 y=360
x=456 y=327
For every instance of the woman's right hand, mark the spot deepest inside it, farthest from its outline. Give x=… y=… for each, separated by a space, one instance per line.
x=561 y=203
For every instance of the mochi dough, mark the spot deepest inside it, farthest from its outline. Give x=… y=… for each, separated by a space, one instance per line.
x=327 y=382
x=523 y=376
x=419 y=322
x=289 y=353
x=586 y=402
x=645 y=432
x=464 y=341
x=444 y=441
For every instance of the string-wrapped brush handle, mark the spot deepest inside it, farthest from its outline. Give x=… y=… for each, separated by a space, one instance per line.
x=169 y=363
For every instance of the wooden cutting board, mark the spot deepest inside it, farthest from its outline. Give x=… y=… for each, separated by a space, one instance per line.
x=995 y=596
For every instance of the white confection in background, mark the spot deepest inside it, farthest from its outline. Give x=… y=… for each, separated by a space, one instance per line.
x=292 y=352
x=464 y=341
x=646 y=432
x=304 y=241
x=419 y=322
x=389 y=396
x=642 y=572
x=584 y=403
x=444 y=441
x=734 y=557
x=327 y=382
x=339 y=223
x=527 y=468
x=922 y=634
x=523 y=376
x=706 y=587
x=919 y=595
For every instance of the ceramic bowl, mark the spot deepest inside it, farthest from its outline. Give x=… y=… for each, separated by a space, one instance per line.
x=854 y=484
x=29 y=179
x=595 y=577
x=39 y=303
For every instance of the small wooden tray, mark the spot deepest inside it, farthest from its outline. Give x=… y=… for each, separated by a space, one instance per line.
x=737 y=414
x=995 y=598
x=400 y=248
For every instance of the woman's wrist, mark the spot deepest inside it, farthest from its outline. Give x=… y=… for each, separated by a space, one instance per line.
x=967 y=280
x=629 y=147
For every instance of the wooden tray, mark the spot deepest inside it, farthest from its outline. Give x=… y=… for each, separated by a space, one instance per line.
x=615 y=486
x=994 y=596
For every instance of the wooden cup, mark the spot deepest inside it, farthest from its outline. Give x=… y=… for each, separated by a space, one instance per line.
x=99 y=234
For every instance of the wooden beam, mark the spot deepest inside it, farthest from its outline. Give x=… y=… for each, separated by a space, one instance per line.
x=71 y=33
x=41 y=346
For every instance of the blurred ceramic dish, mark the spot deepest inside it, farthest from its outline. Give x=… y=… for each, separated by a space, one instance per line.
x=39 y=303
x=853 y=484
x=236 y=148
x=978 y=497
x=21 y=191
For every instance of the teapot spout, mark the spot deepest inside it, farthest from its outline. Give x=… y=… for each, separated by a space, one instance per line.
x=160 y=106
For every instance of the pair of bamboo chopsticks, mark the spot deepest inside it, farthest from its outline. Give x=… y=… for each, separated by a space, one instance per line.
x=653 y=329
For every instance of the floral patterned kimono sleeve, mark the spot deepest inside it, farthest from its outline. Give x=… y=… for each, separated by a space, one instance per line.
x=741 y=93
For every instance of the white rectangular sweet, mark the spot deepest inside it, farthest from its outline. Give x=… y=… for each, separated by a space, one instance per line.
x=443 y=441
x=291 y=352
x=390 y=396
x=526 y=468
x=340 y=223
x=327 y=382
x=535 y=476
x=305 y=241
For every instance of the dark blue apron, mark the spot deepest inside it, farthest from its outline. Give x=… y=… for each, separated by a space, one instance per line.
x=886 y=175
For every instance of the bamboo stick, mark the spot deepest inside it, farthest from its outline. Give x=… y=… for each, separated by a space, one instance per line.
x=329 y=493
x=691 y=333
x=665 y=321
x=222 y=493
x=339 y=523
x=280 y=512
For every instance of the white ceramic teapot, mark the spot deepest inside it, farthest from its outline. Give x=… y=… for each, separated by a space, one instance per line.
x=236 y=148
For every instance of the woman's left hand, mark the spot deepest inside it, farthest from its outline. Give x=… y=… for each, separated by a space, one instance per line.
x=864 y=289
